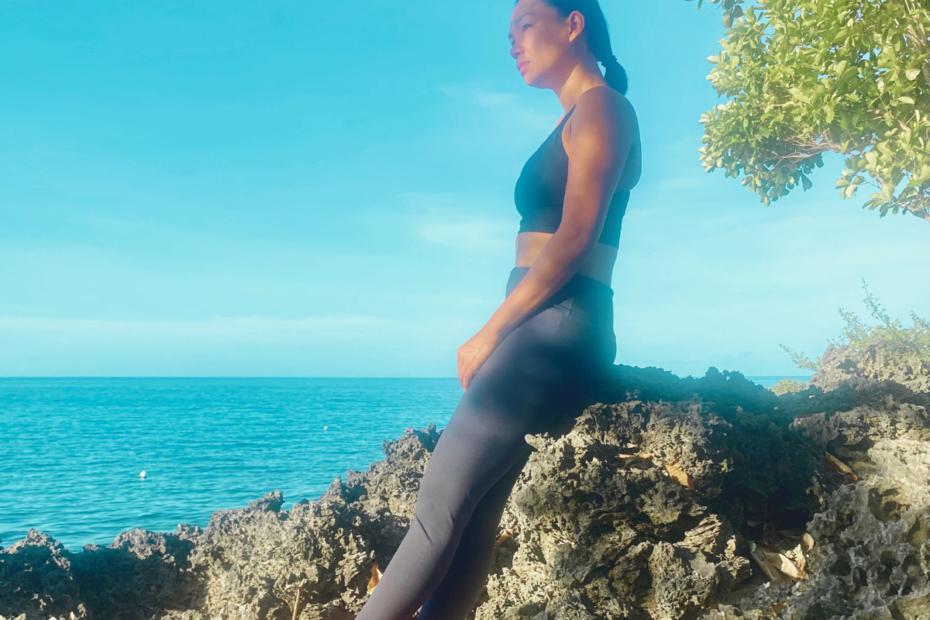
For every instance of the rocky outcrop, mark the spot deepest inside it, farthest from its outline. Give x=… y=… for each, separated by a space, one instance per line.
x=860 y=367
x=36 y=580
x=257 y=562
x=707 y=499
x=604 y=528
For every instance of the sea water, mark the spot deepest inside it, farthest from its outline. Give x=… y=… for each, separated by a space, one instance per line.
x=72 y=450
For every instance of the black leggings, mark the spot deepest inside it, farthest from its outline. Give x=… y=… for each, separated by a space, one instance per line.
x=540 y=378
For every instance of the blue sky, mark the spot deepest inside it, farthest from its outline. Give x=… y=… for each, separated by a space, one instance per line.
x=326 y=189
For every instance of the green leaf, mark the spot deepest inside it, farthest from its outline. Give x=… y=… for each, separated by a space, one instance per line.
x=799 y=95
x=888 y=191
x=906 y=99
x=912 y=74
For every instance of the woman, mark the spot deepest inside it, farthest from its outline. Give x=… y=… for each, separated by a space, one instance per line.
x=544 y=354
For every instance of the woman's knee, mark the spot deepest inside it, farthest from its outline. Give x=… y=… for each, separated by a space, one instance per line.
x=441 y=513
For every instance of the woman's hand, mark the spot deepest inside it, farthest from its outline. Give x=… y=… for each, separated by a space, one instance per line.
x=473 y=354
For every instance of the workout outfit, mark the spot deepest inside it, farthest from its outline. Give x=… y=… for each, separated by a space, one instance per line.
x=540 y=191
x=539 y=379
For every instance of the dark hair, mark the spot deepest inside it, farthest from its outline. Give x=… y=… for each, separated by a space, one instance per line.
x=598 y=38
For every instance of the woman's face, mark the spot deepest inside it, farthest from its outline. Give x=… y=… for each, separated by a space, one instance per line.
x=539 y=39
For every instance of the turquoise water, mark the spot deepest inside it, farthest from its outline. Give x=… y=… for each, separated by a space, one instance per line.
x=71 y=450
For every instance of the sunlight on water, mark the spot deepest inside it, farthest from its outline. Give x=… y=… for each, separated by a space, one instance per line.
x=72 y=450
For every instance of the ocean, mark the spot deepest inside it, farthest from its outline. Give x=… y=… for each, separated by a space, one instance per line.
x=72 y=450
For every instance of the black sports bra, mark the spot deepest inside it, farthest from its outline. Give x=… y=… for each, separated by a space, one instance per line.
x=540 y=191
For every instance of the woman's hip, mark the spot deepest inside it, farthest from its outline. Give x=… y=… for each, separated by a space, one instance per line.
x=563 y=350
x=582 y=309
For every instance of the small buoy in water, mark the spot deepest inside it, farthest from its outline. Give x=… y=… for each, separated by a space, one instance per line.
x=142 y=474
x=325 y=427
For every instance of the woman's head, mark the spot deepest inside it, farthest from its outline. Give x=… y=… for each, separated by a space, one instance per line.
x=546 y=34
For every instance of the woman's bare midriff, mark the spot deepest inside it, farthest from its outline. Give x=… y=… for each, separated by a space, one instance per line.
x=599 y=264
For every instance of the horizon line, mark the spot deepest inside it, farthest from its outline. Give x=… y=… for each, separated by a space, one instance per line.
x=312 y=377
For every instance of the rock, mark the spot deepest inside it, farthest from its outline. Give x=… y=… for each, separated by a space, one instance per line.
x=645 y=506
x=36 y=580
x=623 y=532
x=860 y=368
x=269 y=503
x=872 y=550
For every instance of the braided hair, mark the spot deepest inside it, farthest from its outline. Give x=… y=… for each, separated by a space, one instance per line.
x=598 y=38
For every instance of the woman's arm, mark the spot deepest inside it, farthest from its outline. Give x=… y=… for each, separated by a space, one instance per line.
x=600 y=140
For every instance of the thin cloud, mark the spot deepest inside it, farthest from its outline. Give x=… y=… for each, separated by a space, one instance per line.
x=507 y=110
x=335 y=345
x=495 y=100
x=469 y=235
x=234 y=328
x=456 y=221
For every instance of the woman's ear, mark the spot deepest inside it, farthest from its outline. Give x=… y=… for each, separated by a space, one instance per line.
x=576 y=24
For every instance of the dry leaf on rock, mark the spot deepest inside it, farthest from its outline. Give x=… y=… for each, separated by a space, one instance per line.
x=506 y=535
x=375 y=578
x=835 y=464
x=297 y=586
x=785 y=565
x=759 y=557
x=807 y=541
x=629 y=459
x=679 y=474
x=796 y=555
x=779 y=562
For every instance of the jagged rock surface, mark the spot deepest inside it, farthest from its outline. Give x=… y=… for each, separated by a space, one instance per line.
x=860 y=367
x=646 y=508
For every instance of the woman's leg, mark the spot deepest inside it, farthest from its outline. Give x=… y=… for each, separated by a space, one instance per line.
x=466 y=577
x=526 y=383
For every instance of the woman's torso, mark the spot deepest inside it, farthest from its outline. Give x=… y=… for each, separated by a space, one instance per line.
x=599 y=264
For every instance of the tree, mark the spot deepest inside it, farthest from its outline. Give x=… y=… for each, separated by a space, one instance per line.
x=808 y=77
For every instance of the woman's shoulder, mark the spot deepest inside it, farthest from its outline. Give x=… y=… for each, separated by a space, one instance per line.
x=605 y=103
